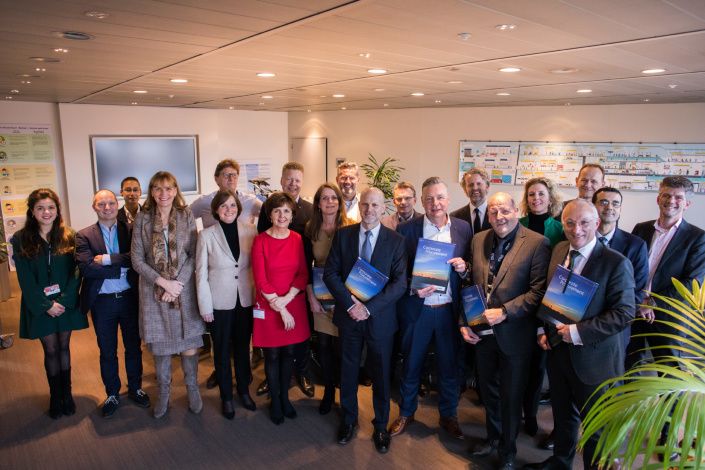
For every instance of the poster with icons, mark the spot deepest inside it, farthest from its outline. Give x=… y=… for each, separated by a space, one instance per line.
x=26 y=163
x=498 y=158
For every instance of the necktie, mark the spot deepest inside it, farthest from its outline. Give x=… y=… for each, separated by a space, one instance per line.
x=571 y=258
x=366 y=253
x=604 y=241
x=477 y=224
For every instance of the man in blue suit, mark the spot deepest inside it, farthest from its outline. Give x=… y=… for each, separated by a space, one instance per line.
x=373 y=322
x=426 y=315
x=608 y=202
x=109 y=291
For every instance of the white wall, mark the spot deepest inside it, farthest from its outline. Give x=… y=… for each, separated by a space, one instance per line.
x=222 y=134
x=426 y=140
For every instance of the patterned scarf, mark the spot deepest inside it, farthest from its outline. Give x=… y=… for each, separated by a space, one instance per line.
x=165 y=264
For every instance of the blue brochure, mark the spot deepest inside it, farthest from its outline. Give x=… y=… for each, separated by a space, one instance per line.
x=365 y=281
x=473 y=305
x=563 y=303
x=431 y=266
x=320 y=290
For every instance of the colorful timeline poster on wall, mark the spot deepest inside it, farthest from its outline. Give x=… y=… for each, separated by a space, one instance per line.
x=26 y=163
x=498 y=158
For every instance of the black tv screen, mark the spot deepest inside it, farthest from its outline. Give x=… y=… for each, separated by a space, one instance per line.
x=116 y=157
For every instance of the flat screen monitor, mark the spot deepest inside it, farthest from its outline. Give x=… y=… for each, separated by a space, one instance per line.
x=116 y=157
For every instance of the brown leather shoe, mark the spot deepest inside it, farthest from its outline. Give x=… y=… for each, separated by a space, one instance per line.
x=450 y=424
x=400 y=424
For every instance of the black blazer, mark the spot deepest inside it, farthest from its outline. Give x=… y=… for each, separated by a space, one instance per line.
x=602 y=355
x=388 y=257
x=635 y=250
x=89 y=243
x=409 y=307
x=122 y=217
x=683 y=259
x=304 y=212
x=519 y=285
x=464 y=214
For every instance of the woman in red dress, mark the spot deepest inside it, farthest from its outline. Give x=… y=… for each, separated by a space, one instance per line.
x=280 y=318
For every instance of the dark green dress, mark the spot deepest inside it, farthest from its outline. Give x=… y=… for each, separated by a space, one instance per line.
x=33 y=277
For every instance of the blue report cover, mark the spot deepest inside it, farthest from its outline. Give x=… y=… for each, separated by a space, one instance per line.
x=365 y=281
x=474 y=305
x=431 y=266
x=566 y=304
x=320 y=290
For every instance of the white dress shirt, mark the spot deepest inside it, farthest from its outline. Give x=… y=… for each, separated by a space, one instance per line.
x=352 y=210
x=482 y=208
x=374 y=235
x=578 y=266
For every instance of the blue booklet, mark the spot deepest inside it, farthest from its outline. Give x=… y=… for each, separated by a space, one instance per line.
x=365 y=281
x=431 y=266
x=567 y=297
x=320 y=290
x=474 y=306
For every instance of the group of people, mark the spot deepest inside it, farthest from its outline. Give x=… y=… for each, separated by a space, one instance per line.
x=148 y=271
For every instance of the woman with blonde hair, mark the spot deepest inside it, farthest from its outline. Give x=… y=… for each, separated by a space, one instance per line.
x=540 y=203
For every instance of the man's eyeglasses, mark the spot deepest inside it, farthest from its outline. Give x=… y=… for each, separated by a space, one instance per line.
x=606 y=203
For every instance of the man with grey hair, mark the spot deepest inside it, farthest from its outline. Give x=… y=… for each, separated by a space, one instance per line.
x=581 y=356
x=404 y=201
x=347 y=178
x=476 y=184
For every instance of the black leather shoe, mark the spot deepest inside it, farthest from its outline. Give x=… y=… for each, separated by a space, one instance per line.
x=506 y=463
x=484 y=449
x=547 y=443
x=305 y=385
x=345 y=433
x=139 y=397
x=423 y=389
x=531 y=426
x=228 y=409
x=247 y=402
x=545 y=398
x=212 y=381
x=262 y=388
x=382 y=441
x=110 y=406
x=363 y=379
x=545 y=465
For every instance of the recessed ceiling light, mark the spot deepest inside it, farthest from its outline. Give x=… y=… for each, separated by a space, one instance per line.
x=308 y=110
x=266 y=74
x=365 y=55
x=417 y=93
x=338 y=95
x=646 y=100
x=438 y=101
x=510 y=69
x=40 y=69
x=45 y=59
x=99 y=15
x=171 y=96
x=503 y=93
x=72 y=35
x=672 y=86
x=564 y=70
x=323 y=96
x=134 y=102
x=267 y=97
x=61 y=50
x=567 y=104
x=454 y=82
x=343 y=108
x=178 y=80
x=506 y=27
x=464 y=36
x=584 y=90
x=14 y=91
x=139 y=92
x=25 y=82
x=652 y=71
x=231 y=107
x=377 y=71
x=386 y=104
x=379 y=89
x=8 y=97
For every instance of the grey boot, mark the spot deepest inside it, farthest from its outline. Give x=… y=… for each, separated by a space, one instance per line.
x=190 y=366
x=162 y=367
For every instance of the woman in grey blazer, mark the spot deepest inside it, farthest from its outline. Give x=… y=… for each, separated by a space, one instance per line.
x=225 y=291
x=163 y=253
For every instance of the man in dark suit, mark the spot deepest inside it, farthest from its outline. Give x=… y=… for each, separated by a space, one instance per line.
x=588 y=352
x=476 y=184
x=426 y=315
x=130 y=191
x=608 y=202
x=509 y=265
x=373 y=322
x=109 y=291
x=676 y=249
x=292 y=180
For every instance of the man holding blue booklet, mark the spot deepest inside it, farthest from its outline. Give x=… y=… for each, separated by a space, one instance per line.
x=376 y=254
x=509 y=266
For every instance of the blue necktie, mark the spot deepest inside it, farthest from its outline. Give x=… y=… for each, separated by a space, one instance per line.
x=366 y=253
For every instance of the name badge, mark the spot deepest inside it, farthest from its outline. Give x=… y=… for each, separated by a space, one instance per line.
x=258 y=313
x=52 y=289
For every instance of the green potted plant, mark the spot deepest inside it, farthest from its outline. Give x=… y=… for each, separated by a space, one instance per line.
x=383 y=175
x=636 y=406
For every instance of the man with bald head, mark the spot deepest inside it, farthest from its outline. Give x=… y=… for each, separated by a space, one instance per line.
x=109 y=291
x=508 y=264
x=372 y=322
x=588 y=352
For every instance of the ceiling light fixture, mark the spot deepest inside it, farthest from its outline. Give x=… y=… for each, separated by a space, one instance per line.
x=267 y=97
x=26 y=75
x=14 y=91
x=337 y=95
x=231 y=107
x=584 y=90
x=134 y=102
x=61 y=50
x=178 y=80
x=266 y=74
x=510 y=69
x=25 y=82
x=45 y=59
x=503 y=93
x=308 y=110
x=139 y=92
x=567 y=104
x=438 y=101
x=464 y=36
x=39 y=69
x=646 y=100
x=564 y=70
x=8 y=97
x=365 y=55
x=652 y=71
x=386 y=104
x=506 y=27
x=454 y=82
x=343 y=108
x=377 y=71
x=171 y=96
x=99 y=15
x=417 y=93
x=379 y=89
x=672 y=86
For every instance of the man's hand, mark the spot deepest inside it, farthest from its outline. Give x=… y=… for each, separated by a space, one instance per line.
x=647 y=314
x=358 y=312
x=458 y=264
x=564 y=332
x=98 y=259
x=542 y=340
x=469 y=336
x=494 y=316
x=426 y=291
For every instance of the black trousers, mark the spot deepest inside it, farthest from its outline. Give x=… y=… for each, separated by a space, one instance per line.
x=231 y=331
x=502 y=383
x=329 y=357
x=537 y=369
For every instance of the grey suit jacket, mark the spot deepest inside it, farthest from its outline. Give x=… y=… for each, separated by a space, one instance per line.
x=519 y=285
x=220 y=278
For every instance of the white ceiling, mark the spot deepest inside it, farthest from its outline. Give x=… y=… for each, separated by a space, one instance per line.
x=315 y=47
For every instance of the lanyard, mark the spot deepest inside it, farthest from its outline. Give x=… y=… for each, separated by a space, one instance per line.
x=495 y=264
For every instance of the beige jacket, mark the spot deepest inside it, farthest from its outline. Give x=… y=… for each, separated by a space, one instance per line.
x=220 y=279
